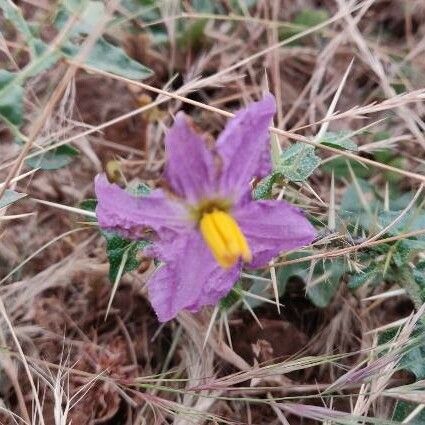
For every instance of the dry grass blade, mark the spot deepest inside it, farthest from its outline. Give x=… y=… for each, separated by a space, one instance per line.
x=288 y=134
x=34 y=389
x=325 y=125
x=38 y=251
x=355 y=248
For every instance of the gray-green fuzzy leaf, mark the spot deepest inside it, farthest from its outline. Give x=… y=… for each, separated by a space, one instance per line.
x=9 y=197
x=339 y=140
x=298 y=162
x=330 y=274
x=54 y=159
x=11 y=96
x=14 y=15
x=107 y=57
x=116 y=248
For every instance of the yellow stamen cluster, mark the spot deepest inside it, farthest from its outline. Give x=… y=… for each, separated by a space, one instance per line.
x=224 y=237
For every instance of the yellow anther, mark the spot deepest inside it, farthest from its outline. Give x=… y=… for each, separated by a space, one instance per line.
x=224 y=238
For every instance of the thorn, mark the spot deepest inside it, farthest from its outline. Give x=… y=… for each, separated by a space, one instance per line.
x=210 y=326
x=274 y=285
x=387 y=197
x=331 y=217
x=117 y=280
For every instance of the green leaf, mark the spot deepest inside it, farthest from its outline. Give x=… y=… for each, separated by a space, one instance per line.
x=403 y=409
x=11 y=90
x=298 y=162
x=306 y=18
x=411 y=221
x=141 y=189
x=420 y=268
x=418 y=274
x=329 y=273
x=231 y=298
x=107 y=57
x=13 y=14
x=147 y=2
x=401 y=256
x=103 y=55
x=193 y=34
x=54 y=159
x=322 y=294
x=339 y=166
x=89 y=205
x=372 y=274
x=116 y=247
x=387 y=156
x=203 y=6
x=413 y=358
x=240 y=6
x=414 y=361
x=285 y=273
x=36 y=46
x=399 y=201
x=400 y=163
x=263 y=190
x=353 y=209
x=381 y=135
x=9 y=197
x=392 y=176
x=311 y=17
x=11 y=99
x=339 y=140
x=256 y=287
x=384 y=155
x=89 y=15
x=158 y=35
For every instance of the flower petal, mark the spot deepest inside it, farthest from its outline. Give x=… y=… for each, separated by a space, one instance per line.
x=190 y=167
x=243 y=146
x=272 y=227
x=189 y=279
x=118 y=210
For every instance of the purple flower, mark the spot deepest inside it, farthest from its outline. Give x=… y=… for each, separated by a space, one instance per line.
x=208 y=227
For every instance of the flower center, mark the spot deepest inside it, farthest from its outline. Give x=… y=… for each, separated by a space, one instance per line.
x=224 y=238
